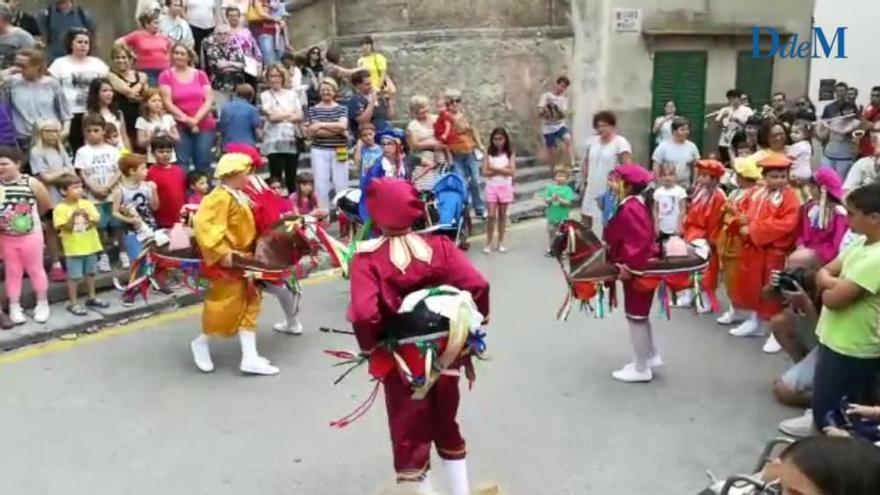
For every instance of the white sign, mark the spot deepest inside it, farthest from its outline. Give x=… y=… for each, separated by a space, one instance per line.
x=627 y=20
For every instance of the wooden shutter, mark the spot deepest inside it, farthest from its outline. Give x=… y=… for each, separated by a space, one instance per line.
x=681 y=77
x=754 y=76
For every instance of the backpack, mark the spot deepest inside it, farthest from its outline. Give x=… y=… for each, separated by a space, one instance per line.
x=48 y=14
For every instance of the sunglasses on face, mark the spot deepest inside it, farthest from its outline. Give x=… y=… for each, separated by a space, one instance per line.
x=456 y=100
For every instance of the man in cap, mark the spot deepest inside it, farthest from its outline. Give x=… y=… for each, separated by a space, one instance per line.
x=384 y=271
x=224 y=227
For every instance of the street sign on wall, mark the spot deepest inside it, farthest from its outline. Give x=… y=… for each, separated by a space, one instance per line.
x=627 y=20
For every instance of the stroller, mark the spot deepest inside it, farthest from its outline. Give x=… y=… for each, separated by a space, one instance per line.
x=446 y=209
x=751 y=484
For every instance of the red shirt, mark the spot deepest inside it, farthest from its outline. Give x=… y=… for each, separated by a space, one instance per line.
x=153 y=51
x=171 y=185
x=866 y=147
x=443 y=121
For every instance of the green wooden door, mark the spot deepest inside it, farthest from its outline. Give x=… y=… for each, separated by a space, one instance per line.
x=754 y=76
x=681 y=77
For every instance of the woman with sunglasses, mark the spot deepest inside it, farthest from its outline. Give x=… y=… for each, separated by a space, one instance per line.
x=76 y=71
x=464 y=143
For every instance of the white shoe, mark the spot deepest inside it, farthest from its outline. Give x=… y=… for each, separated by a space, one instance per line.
x=251 y=362
x=259 y=366
x=502 y=249
x=16 y=314
x=487 y=250
x=799 y=427
x=729 y=317
x=293 y=328
x=655 y=361
x=201 y=351
x=685 y=299
x=630 y=374
x=124 y=261
x=771 y=345
x=41 y=312
x=104 y=264
x=749 y=328
x=703 y=306
x=456 y=476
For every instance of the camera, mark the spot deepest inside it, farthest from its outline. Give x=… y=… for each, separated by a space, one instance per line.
x=790 y=280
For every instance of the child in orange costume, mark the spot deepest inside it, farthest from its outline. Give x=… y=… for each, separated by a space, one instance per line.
x=770 y=231
x=731 y=241
x=703 y=221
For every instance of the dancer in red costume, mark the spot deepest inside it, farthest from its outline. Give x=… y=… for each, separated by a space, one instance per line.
x=770 y=229
x=384 y=271
x=630 y=242
x=267 y=209
x=704 y=221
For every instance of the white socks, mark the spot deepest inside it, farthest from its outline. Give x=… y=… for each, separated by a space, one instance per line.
x=251 y=362
x=456 y=476
x=642 y=343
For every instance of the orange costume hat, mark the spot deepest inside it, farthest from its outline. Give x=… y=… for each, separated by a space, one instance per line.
x=775 y=162
x=714 y=168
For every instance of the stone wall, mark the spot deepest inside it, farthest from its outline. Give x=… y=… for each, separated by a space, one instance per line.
x=501 y=73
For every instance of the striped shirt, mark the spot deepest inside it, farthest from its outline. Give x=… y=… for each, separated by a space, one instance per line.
x=328 y=114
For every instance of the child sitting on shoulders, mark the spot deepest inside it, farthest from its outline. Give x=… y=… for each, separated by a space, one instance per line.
x=559 y=197
x=367 y=151
x=823 y=219
x=670 y=204
x=77 y=220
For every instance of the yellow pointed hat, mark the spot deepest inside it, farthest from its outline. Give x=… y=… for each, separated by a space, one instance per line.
x=231 y=164
x=748 y=168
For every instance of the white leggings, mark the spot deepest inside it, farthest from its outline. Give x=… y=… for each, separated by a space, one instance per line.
x=325 y=165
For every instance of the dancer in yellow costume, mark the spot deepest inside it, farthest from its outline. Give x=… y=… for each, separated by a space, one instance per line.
x=224 y=225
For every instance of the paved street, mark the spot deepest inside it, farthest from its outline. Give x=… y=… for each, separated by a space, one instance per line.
x=130 y=414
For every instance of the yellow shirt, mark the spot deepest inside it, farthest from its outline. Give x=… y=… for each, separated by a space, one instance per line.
x=83 y=239
x=224 y=224
x=377 y=65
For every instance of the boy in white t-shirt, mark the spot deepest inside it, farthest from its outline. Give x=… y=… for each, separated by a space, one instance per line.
x=669 y=204
x=96 y=163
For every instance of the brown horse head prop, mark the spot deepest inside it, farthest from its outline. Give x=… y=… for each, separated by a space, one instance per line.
x=575 y=242
x=283 y=245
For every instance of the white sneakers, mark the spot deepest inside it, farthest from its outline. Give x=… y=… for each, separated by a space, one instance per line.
x=771 y=345
x=251 y=362
x=729 y=317
x=799 y=427
x=41 y=312
x=456 y=476
x=685 y=299
x=124 y=261
x=293 y=327
x=16 y=314
x=202 y=353
x=752 y=327
x=629 y=374
x=104 y=264
x=656 y=361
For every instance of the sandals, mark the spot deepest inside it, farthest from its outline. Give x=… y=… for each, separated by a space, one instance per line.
x=77 y=309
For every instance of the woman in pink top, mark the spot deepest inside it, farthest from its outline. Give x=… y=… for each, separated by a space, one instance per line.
x=151 y=48
x=189 y=98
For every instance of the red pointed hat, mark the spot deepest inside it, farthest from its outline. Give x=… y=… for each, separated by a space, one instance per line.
x=635 y=174
x=712 y=167
x=246 y=149
x=393 y=204
x=827 y=177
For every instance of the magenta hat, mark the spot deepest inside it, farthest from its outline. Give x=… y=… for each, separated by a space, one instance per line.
x=635 y=174
x=827 y=178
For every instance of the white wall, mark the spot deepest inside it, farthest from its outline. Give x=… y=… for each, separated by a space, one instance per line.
x=860 y=68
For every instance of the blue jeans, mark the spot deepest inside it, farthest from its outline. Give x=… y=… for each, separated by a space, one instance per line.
x=267 y=48
x=195 y=149
x=467 y=166
x=152 y=77
x=841 y=166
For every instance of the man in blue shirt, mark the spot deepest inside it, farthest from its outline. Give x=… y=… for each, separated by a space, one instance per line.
x=59 y=17
x=366 y=105
x=240 y=120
